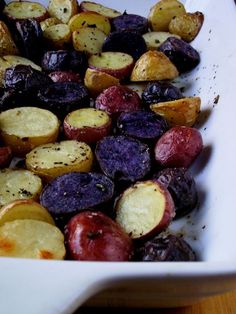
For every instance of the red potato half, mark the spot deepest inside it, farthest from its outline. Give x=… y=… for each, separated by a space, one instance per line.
x=117 y=64
x=178 y=147
x=5 y=156
x=88 y=125
x=145 y=209
x=92 y=236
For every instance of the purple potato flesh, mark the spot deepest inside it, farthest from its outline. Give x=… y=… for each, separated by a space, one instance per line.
x=130 y=22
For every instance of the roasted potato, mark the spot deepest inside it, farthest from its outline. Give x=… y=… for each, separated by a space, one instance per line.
x=187 y=25
x=52 y=160
x=87 y=125
x=64 y=76
x=162 y=12
x=18 y=184
x=27 y=127
x=98 y=8
x=97 y=81
x=152 y=66
x=90 y=19
x=28 y=238
x=7 y=45
x=155 y=39
x=182 y=111
x=58 y=36
x=88 y=39
x=24 y=209
x=49 y=22
x=130 y=22
x=63 y=10
x=5 y=156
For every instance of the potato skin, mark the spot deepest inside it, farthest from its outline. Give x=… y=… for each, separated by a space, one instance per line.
x=178 y=147
x=130 y=22
x=86 y=6
x=5 y=156
x=7 y=45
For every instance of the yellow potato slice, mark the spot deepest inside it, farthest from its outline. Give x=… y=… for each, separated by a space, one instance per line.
x=99 y=8
x=7 y=45
x=63 y=10
x=51 y=160
x=89 y=19
x=24 y=128
x=179 y=112
x=31 y=239
x=18 y=184
x=24 y=209
x=17 y=10
x=162 y=12
x=155 y=39
x=59 y=35
x=49 y=22
x=153 y=65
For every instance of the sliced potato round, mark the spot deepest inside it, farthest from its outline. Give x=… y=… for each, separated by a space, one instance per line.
x=182 y=111
x=49 y=22
x=25 y=10
x=63 y=10
x=24 y=209
x=59 y=35
x=155 y=39
x=18 y=184
x=99 y=8
x=27 y=127
x=7 y=45
x=31 y=239
x=51 y=160
x=152 y=66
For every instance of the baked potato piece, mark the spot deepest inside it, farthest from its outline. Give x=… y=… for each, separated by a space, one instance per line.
x=54 y=159
x=49 y=22
x=97 y=81
x=87 y=125
x=155 y=39
x=187 y=25
x=130 y=22
x=88 y=39
x=90 y=19
x=7 y=45
x=18 y=184
x=28 y=238
x=152 y=66
x=182 y=111
x=58 y=36
x=27 y=127
x=22 y=10
x=5 y=156
x=98 y=8
x=63 y=10
x=24 y=209
x=162 y=12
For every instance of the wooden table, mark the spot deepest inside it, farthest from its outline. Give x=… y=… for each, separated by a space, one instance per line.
x=225 y=304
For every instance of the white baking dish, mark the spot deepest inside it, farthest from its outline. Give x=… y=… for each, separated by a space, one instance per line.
x=53 y=287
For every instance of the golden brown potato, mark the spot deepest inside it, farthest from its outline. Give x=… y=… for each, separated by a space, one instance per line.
x=27 y=127
x=99 y=8
x=24 y=209
x=30 y=238
x=59 y=35
x=84 y=19
x=63 y=10
x=97 y=81
x=187 y=25
x=152 y=66
x=182 y=111
x=7 y=45
x=51 y=160
x=162 y=12
x=155 y=39
x=18 y=184
x=49 y=22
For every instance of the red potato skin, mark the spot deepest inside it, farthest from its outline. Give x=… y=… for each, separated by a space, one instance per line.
x=117 y=99
x=88 y=135
x=5 y=156
x=178 y=147
x=121 y=73
x=92 y=236
x=65 y=76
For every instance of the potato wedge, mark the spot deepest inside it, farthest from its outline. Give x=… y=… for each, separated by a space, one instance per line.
x=187 y=25
x=30 y=238
x=90 y=19
x=24 y=128
x=63 y=10
x=24 y=209
x=99 y=8
x=155 y=39
x=162 y=12
x=97 y=81
x=51 y=160
x=88 y=39
x=18 y=10
x=152 y=66
x=49 y=22
x=7 y=45
x=18 y=184
x=182 y=111
x=58 y=36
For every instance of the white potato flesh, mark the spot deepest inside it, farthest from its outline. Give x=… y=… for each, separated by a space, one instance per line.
x=31 y=239
x=18 y=184
x=25 y=10
x=155 y=39
x=99 y=8
x=110 y=60
x=63 y=9
x=88 y=117
x=88 y=39
x=58 y=34
x=15 y=60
